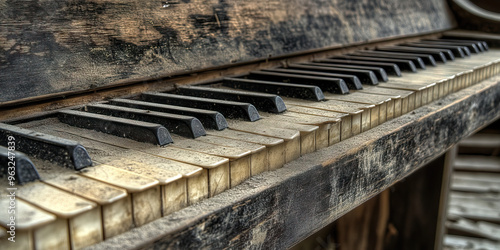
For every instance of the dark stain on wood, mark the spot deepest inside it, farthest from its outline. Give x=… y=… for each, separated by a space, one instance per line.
x=56 y=46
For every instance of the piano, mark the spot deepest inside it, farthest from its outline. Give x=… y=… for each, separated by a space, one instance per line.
x=226 y=124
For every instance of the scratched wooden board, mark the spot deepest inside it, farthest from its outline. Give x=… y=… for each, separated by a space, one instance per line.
x=277 y=209
x=54 y=46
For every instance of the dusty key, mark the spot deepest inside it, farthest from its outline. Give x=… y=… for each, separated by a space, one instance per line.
x=334 y=133
x=378 y=71
x=351 y=81
x=143 y=191
x=365 y=76
x=275 y=147
x=301 y=91
x=184 y=125
x=65 y=152
x=265 y=102
x=214 y=177
x=195 y=178
x=330 y=84
x=34 y=227
x=239 y=159
x=403 y=64
x=400 y=105
x=307 y=132
x=209 y=119
x=324 y=125
x=420 y=60
x=259 y=161
x=136 y=130
x=438 y=55
x=390 y=68
x=82 y=217
x=115 y=205
x=17 y=165
x=481 y=45
x=357 y=121
x=227 y=108
x=471 y=46
x=448 y=53
x=458 y=51
x=379 y=113
x=173 y=186
x=291 y=137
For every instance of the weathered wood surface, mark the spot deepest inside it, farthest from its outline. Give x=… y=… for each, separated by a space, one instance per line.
x=54 y=46
x=278 y=208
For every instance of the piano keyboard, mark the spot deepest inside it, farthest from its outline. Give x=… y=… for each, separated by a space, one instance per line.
x=107 y=167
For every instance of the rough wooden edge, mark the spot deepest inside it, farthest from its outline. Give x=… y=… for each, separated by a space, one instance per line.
x=278 y=208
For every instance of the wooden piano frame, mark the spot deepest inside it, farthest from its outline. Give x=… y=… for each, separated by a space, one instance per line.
x=279 y=208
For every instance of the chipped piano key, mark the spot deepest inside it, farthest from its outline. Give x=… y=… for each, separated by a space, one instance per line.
x=301 y=91
x=439 y=55
x=136 y=130
x=265 y=102
x=291 y=137
x=82 y=217
x=184 y=125
x=275 y=147
x=401 y=106
x=318 y=78
x=390 y=68
x=365 y=76
x=335 y=128
x=420 y=60
x=330 y=84
x=34 y=228
x=239 y=159
x=229 y=109
x=173 y=186
x=108 y=148
x=403 y=64
x=65 y=152
x=209 y=119
x=357 y=121
x=144 y=191
x=259 y=161
x=378 y=71
x=115 y=205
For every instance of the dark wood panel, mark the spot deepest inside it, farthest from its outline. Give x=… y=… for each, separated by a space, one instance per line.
x=57 y=46
x=279 y=208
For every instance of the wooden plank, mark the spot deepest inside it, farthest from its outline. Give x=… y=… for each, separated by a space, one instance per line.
x=477 y=163
x=271 y=211
x=88 y=45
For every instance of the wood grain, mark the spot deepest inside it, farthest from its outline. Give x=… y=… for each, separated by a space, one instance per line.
x=73 y=45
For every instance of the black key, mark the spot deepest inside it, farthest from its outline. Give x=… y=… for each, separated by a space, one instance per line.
x=209 y=119
x=265 y=102
x=402 y=63
x=306 y=77
x=60 y=151
x=365 y=76
x=183 y=125
x=16 y=165
x=464 y=49
x=456 y=50
x=482 y=45
x=135 y=130
x=227 y=108
x=420 y=60
x=379 y=72
x=438 y=55
x=300 y=91
x=390 y=68
x=471 y=46
x=330 y=84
